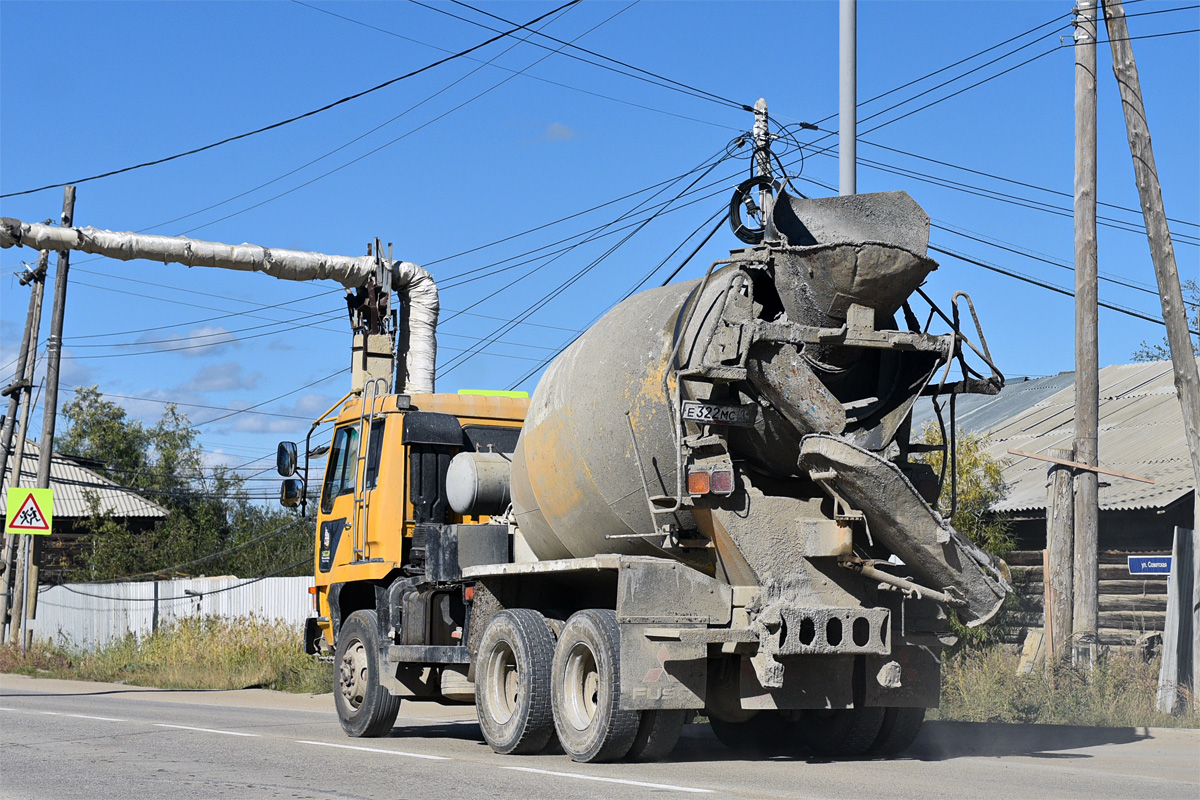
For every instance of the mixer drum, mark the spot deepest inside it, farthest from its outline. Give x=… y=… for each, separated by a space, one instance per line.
x=575 y=475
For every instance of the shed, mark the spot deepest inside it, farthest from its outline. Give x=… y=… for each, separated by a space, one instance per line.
x=73 y=484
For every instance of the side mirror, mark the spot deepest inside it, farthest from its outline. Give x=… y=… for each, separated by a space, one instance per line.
x=286 y=459
x=291 y=492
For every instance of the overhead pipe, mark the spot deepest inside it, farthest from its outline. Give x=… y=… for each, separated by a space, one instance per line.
x=418 y=292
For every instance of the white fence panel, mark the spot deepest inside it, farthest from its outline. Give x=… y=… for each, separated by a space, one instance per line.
x=87 y=615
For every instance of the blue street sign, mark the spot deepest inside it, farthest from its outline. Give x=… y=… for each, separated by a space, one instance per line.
x=1149 y=565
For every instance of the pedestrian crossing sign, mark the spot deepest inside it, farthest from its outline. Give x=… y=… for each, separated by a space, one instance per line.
x=29 y=511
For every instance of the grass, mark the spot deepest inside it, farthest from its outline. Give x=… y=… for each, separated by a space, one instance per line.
x=982 y=685
x=192 y=653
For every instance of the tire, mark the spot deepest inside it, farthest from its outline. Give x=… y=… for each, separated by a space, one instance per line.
x=364 y=707
x=842 y=732
x=657 y=735
x=586 y=689
x=899 y=730
x=512 y=682
x=767 y=733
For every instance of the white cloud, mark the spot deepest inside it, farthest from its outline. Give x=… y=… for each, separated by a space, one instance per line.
x=558 y=132
x=205 y=340
x=224 y=377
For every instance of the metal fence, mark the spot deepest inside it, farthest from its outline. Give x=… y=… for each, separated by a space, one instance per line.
x=87 y=615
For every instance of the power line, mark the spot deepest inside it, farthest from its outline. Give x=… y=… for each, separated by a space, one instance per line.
x=559 y=84
x=298 y=117
x=646 y=75
x=1050 y=286
x=385 y=145
x=197 y=596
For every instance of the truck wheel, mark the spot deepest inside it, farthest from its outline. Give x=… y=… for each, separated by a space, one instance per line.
x=364 y=707
x=585 y=688
x=900 y=727
x=842 y=732
x=767 y=733
x=657 y=735
x=512 y=679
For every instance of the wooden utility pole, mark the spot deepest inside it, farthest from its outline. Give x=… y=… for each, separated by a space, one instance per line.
x=20 y=401
x=1085 y=616
x=1060 y=515
x=50 y=404
x=1162 y=252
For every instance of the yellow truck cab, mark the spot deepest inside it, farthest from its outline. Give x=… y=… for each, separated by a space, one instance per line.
x=384 y=480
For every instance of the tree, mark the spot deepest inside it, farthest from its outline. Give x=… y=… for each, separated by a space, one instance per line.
x=209 y=511
x=980 y=487
x=1162 y=351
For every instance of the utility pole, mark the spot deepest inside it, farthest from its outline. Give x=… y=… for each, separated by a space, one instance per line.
x=1085 y=617
x=21 y=398
x=1060 y=513
x=762 y=161
x=848 y=97
x=50 y=405
x=1162 y=252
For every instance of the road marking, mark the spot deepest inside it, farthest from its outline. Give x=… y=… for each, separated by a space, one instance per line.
x=376 y=750
x=203 y=730
x=81 y=716
x=669 y=786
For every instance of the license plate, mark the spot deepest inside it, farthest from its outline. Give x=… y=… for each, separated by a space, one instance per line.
x=713 y=414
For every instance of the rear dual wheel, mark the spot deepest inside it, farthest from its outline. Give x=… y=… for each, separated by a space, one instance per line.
x=585 y=689
x=512 y=682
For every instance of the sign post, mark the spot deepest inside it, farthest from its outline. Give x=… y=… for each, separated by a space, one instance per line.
x=29 y=512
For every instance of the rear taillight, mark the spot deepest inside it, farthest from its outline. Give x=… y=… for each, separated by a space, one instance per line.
x=722 y=481
x=699 y=481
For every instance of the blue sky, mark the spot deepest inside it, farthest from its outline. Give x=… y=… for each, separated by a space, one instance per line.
x=513 y=138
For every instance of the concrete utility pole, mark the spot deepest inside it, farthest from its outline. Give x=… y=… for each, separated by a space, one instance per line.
x=848 y=97
x=1162 y=252
x=762 y=161
x=1060 y=514
x=21 y=399
x=1085 y=617
x=50 y=405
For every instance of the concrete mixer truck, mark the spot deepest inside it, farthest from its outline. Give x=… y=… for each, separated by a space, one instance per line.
x=709 y=506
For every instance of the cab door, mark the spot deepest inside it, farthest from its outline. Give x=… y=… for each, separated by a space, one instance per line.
x=336 y=520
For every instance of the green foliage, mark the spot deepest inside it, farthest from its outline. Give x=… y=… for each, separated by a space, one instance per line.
x=982 y=685
x=190 y=653
x=208 y=509
x=1162 y=351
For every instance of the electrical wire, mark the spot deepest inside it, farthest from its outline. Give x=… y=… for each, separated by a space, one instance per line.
x=298 y=117
x=1050 y=286
x=645 y=75
x=196 y=596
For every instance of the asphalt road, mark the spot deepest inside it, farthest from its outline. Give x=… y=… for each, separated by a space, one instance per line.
x=61 y=739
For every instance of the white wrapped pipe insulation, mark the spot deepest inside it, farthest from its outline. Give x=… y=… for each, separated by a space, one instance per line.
x=477 y=483
x=418 y=292
x=291 y=265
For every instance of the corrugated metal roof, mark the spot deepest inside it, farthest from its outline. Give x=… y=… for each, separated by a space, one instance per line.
x=978 y=413
x=70 y=481
x=1141 y=433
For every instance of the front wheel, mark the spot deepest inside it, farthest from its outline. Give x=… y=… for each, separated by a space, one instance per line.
x=585 y=689
x=364 y=707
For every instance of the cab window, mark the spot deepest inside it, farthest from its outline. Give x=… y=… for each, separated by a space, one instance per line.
x=343 y=460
